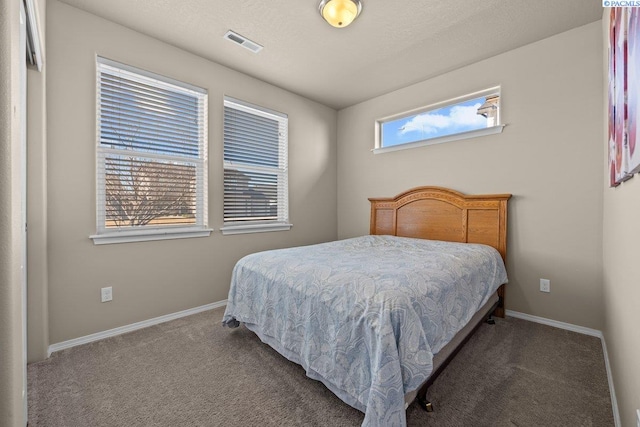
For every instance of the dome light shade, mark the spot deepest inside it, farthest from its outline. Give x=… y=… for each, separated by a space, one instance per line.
x=340 y=13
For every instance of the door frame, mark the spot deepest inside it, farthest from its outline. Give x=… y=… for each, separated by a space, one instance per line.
x=23 y=207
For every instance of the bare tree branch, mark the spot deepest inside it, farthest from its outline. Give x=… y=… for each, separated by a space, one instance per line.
x=139 y=191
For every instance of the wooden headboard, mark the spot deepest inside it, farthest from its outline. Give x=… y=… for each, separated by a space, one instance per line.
x=438 y=213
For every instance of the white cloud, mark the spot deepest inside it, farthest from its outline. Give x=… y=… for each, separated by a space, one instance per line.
x=460 y=117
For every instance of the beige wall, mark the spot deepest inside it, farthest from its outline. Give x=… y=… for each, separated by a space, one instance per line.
x=150 y=279
x=621 y=235
x=549 y=157
x=11 y=247
x=37 y=267
x=622 y=294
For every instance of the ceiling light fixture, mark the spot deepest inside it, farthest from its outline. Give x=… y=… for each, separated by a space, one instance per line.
x=340 y=13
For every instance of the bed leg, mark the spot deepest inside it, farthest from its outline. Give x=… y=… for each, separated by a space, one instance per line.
x=424 y=403
x=490 y=320
x=499 y=311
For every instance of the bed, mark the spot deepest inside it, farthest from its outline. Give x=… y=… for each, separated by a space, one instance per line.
x=377 y=317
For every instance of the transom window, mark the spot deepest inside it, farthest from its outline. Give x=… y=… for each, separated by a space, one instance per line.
x=151 y=156
x=468 y=116
x=256 y=194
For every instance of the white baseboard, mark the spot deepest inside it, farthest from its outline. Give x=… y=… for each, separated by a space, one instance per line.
x=581 y=330
x=555 y=323
x=612 y=390
x=132 y=327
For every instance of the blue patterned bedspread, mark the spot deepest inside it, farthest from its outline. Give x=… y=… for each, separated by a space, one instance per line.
x=364 y=315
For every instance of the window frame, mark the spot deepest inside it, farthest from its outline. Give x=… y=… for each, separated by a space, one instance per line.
x=282 y=223
x=109 y=235
x=378 y=148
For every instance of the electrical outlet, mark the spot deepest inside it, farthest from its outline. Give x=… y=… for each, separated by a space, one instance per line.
x=106 y=294
x=545 y=285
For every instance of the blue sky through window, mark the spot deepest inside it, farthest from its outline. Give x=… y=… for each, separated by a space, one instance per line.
x=452 y=119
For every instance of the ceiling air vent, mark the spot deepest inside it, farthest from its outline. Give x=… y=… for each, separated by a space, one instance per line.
x=242 y=41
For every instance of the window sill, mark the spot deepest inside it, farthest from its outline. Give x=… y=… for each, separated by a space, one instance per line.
x=148 y=235
x=254 y=228
x=464 y=135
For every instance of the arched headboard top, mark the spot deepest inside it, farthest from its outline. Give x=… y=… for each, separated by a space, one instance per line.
x=438 y=213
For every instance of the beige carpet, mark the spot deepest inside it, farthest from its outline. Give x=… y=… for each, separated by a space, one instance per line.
x=194 y=372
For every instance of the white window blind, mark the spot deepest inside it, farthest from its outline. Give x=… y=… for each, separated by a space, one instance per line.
x=151 y=153
x=255 y=167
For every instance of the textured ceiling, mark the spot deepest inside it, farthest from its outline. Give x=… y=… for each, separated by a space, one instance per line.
x=391 y=45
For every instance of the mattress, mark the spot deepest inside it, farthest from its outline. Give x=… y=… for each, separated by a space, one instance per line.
x=365 y=316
